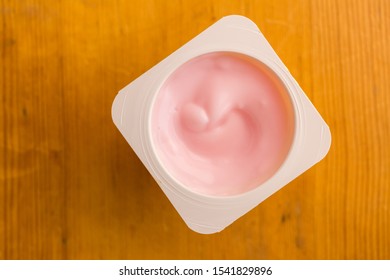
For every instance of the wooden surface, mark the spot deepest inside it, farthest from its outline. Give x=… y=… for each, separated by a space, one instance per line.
x=72 y=188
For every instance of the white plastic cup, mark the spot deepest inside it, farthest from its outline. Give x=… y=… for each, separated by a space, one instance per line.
x=132 y=110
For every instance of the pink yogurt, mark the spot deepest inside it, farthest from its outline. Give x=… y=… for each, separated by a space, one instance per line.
x=222 y=124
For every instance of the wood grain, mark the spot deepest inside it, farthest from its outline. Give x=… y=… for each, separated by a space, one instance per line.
x=72 y=188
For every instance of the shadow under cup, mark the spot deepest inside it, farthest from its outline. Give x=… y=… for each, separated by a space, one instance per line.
x=222 y=124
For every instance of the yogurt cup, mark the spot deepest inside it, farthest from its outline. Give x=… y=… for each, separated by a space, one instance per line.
x=221 y=124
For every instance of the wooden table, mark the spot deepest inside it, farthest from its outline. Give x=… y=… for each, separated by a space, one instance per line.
x=72 y=188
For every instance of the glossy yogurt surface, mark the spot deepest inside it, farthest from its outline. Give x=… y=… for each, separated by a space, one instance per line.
x=222 y=124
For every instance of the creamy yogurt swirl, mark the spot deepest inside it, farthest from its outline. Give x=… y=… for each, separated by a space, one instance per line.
x=222 y=124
